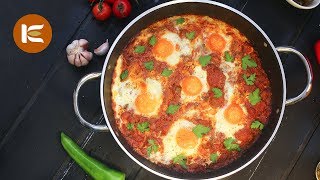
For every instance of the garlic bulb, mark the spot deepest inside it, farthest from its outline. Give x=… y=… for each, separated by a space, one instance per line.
x=102 y=49
x=77 y=53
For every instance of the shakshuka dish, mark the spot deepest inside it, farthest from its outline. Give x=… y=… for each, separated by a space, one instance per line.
x=189 y=93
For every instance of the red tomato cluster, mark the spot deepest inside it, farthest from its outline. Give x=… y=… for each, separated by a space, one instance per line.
x=102 y=10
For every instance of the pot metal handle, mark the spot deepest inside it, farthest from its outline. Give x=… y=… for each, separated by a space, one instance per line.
x=82 y=81
x=307 y=65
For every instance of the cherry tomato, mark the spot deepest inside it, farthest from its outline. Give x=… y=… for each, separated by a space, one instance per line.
x=101 y=11
x=317 y=50
x=110 y=1
x=121 y=8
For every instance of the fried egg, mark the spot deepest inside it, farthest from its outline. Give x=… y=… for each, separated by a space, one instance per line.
x=149 y=100
x=193 y=86
x=230 y=119
x=217 y=41
x=144 y=97
x=179 y=140
x=169 y=48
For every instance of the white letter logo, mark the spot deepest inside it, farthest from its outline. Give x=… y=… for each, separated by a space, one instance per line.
x=32 y=31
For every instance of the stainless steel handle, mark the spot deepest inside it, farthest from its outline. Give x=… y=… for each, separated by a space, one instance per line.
x=307 y=65
x=76 y=106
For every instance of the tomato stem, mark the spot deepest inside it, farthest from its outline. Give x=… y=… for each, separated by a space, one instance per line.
x=120 y=7
x=100 y=5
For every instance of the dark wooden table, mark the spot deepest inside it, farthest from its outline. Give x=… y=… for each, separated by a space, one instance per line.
x=36 y=93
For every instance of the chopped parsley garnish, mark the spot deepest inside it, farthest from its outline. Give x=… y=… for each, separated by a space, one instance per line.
x=180 y=21
x=172 y=109
x=249 y=80
x=148 y=65
x=143 y=127
x=130 y=126
x=248 y=62
x=139 y=49
x=191 y=35
x=200 y=130
x=214 y=157
x=124 y=74
x=217 y=92
x=204 y=60
x=231 y=145
x=257 y=125
x=181 y=159
x=153 y=40
x=254 y=97
x=153 y=147
x=228 y=56
x=166 y=72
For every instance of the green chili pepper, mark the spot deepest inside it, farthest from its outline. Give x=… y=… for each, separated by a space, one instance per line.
x=91 y=166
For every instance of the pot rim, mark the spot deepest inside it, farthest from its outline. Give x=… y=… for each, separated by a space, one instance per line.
x=191 y=1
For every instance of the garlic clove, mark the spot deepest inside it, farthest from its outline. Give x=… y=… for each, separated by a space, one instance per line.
x=102 y=49
x=71 y=58
x=87 y=55
x=83 y=43
x=77 y=61
x=71 y=47
x=83 y=60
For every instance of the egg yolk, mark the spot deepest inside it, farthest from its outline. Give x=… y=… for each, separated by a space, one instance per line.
x=234 y=114
x=163 y=48
x=145 y=103
x=186 y=139
x=216 y=43
x=191 y=85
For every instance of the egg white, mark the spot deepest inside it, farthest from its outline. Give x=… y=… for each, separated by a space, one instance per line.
x=126 y=94
x=191 y=113
x=228 y=41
